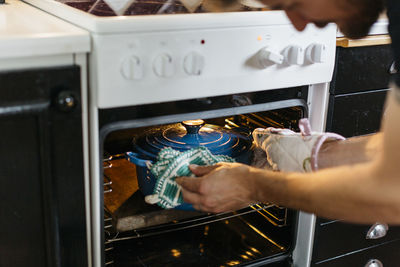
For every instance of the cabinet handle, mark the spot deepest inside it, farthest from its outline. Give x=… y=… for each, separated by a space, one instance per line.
x=393 y=69
x=66 y=101
x=377 y=231
x=374 y=263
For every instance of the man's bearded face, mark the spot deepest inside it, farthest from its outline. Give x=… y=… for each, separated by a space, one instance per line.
x=353 y=17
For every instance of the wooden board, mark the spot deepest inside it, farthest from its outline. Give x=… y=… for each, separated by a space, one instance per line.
x=124 y=183
x=367 y=41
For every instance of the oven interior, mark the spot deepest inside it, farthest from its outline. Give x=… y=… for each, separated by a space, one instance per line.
x=139 y=234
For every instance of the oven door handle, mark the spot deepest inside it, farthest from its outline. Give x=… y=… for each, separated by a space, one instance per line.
x=32 y=107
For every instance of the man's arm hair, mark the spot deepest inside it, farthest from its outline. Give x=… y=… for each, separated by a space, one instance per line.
x=350 y=151
x=361 y=193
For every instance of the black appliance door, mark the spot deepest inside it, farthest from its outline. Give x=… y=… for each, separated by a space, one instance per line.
x=42 y=206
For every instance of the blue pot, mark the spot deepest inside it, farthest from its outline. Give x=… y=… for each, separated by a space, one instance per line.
x=182 y=137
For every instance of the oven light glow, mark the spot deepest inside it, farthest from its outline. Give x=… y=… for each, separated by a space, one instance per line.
x=259 y=38
x=206 y=230
x=244 y=257
x=233 y=263
x=255 y=250
x=175 y=253
x=249 y=253
x=193 y=122
x=265 y=216
x=255 y=229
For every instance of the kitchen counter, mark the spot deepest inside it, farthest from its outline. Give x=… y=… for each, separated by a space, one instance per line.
x=26 y=31
x=379 y=27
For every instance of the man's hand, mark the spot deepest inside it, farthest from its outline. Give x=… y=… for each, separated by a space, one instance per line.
x=218 y=188
x=290 y=151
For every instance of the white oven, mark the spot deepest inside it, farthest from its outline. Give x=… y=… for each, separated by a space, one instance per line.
x=148 y=68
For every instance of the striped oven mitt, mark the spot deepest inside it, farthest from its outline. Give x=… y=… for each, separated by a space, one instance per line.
x=171 y=164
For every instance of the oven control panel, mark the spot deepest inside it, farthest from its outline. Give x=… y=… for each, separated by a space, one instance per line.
x=144 y=68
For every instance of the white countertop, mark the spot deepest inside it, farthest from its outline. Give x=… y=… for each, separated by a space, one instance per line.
x=26 y=31
x=379 y=27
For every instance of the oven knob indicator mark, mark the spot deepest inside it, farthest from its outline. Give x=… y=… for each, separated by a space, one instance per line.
x=267 y=57
x=163 y=66
x=193 y=63
x=316 y=53
x=132 y=68
x=294 y=55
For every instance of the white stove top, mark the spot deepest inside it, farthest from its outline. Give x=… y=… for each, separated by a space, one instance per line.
x=27 y=31
x=142 y=59
x=106 y=22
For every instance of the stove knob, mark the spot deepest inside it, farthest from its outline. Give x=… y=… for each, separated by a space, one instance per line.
x=193 y=63
x=132 y=68
x=267 y=57
x=316 y=53
x=294 y=55
x=163 y=66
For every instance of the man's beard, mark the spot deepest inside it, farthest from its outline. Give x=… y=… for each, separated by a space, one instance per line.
x=357 y=28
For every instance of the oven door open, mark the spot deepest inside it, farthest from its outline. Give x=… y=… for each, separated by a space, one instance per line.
x=139 y=234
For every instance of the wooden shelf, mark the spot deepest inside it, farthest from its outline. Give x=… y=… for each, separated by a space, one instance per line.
x=367 y=41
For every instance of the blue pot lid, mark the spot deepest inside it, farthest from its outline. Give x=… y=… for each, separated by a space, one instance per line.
x=191 y=134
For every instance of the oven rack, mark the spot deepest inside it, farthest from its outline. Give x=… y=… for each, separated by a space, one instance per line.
x=287 y=118
x=108 y=235
x=107 y=183
x=275 y=215
x=108 y=221
x=262 y=209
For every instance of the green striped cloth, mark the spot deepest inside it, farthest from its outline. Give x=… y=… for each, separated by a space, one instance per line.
x=171 y=164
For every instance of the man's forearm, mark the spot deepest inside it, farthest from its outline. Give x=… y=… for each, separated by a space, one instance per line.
x=351 y=151
x=352 y=193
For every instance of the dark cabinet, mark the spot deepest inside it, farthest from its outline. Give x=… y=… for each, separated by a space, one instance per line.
x=337 y=238
x=359 y=86
x=387 y=254
x=356 y=114
x=357 y=95
x=42 y=208
x=361 y=69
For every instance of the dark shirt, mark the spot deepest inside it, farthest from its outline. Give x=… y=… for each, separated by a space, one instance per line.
x=393 y=12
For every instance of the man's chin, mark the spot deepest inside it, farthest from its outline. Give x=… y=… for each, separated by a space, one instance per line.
x=355 y=34
x=357 y=28
x=321 y=24
x=350 y=30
